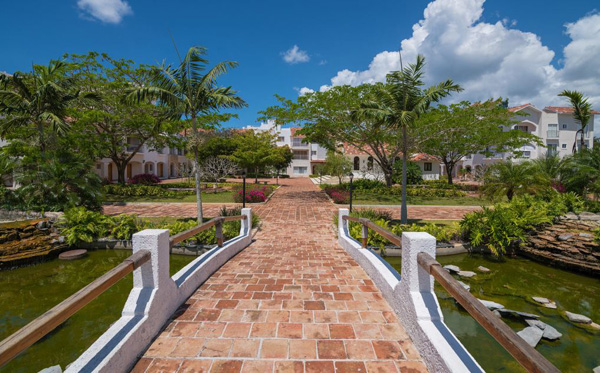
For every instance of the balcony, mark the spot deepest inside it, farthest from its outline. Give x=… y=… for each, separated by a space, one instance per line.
x=552 y=134
x=297 y=142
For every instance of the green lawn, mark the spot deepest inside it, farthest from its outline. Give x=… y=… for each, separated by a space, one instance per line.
x=378 y=199
x=223 y=197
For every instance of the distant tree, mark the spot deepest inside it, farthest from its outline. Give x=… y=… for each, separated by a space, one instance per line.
x=551 y=167
x=283 y=158
x=255 y=151
x=193 y=90
x=40 y=99
x=215 y=168
x=582 y=112
x=509 y=179
x=327 y=120
x=453 y=132
x=414 y=174
x=337 y=165
x=111 y=121
x=400 y=103
x=217 y=143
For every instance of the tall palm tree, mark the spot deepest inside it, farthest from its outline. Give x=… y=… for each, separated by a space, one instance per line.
x=400 y=102
x=40 y=98
x=192 y=89
x=510 y=179
x=582 y=112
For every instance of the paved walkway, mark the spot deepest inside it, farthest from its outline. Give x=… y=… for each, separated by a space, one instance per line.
x=293 y=301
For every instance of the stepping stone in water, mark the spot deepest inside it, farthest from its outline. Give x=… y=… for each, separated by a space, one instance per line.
x=577 y=318
x=467 y=274
x=531 y=335
x=467 y=287
x=550 y=332
x=541 y=300
x=451 y=268
x=72 y=254
x=513 y=313
x=483 y=269
x=491 y=305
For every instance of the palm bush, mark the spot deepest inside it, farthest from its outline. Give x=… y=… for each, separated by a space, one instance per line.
x=509 y=179
x=581 y=173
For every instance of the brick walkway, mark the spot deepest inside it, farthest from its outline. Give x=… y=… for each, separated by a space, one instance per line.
x=293 y=301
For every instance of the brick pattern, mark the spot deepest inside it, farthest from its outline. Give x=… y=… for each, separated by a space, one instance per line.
x=293 y=301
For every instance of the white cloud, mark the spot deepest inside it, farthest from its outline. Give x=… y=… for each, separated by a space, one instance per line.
x=295 y=55
x=304 y=90
x=492 y=59
x=108 y=11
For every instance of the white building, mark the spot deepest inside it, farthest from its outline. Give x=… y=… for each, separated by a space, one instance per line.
x=554 y=125
x=306 y=155
x=165 y=163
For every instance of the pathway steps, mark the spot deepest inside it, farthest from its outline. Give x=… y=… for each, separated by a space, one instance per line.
x=293 y=301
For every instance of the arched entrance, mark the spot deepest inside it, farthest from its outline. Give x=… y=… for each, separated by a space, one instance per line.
x=356 y=163
x=160 y=167
x=149 y=168
x=109 y=175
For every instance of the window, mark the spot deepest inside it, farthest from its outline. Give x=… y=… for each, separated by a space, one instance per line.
x=564 y=146
x=356 y=164
x=564 y=126
x=526 y=154
x=522 y=128
x=552 y=149
x=98 y=166
x=297 y=141
x=300 y=154
x=370 y=163
x=427 y=166
x=313 y=152
x=280 y=139
x=300 y=170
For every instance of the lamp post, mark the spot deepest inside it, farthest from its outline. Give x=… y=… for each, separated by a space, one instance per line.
x=351 y=176
x=244 y=188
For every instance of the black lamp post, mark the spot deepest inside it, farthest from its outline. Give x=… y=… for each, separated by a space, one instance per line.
x=351 y=176
x=244 y=188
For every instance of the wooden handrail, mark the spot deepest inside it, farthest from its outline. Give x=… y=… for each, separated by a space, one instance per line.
x=44 y=324
x=380 y=230
x=218 y=221
x=526 y=355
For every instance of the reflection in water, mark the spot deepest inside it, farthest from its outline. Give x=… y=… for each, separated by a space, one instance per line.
x=512 y=283
x=28 y=292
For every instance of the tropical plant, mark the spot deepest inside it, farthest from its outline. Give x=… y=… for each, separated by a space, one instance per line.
x=122 y=227
x=550 y=166
x=40 y=98
x=582 y=113
x=81 y=225
x=581 y=173
x=193 y=90
x=400 y=102
x=508 y=179
x=414 y=174
x=337 y=165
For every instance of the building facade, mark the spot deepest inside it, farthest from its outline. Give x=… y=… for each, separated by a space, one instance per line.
x=554 y=125
x=307 y=156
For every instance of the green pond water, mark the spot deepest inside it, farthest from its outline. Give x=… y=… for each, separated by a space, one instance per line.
x=28 y=292
x=512 y=283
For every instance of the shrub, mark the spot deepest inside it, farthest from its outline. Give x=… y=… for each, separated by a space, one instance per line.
x=82 y=225
x=365 y=184
x=442 y=233
x=337 y=194
x=143 y=191
x=414 y=175
x=123 y=226
x=144 y=179
x=254 y=193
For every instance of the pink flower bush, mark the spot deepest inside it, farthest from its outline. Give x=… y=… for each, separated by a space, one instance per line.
x=338 y=195
x=144 y=179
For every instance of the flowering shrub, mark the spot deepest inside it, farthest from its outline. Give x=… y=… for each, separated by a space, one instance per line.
x=338 y=195
x=254 y=193
x=144 y=179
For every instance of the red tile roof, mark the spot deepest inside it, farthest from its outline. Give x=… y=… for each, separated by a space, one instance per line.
x=294 y=130
x=564 y=109
x=517 y=108
x=424 y=157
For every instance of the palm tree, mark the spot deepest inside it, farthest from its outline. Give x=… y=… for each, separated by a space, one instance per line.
x=40 y=98
x=550 y=166
x=582 y=112
x=582 y=172
x=193 y=90
x=400 y=102
x=510 y=179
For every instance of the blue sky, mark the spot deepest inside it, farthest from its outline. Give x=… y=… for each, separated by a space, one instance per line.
x=338 y=42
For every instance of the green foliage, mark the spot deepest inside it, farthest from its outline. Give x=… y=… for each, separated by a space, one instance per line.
x=505 y=226
x=509 y=179
x=122 y=227
x=82 y=225
x=581 y=173
x=414 y=174
x=143 y=191
x=442 y=233
x=337 y=165
x=582 y=111
x=365 y=184
x=257 y=150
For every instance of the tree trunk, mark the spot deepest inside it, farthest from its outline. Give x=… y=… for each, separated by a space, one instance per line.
x=404 y=208
x=449 y=169
x=121 y=167
x=197 y=172
x=389 y=178
x=582 y=137
x=256 y=175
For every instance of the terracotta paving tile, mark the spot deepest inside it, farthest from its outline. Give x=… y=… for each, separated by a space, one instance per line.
x=195 y=366
x=411 y=366
x=141 y=365
x=293 y=301
x=329 y=349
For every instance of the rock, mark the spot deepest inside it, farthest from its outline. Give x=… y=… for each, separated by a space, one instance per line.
x=577 y=318
x=570 y=216
x=537 y=323
x=495 y=312
x=451 y=268
x=491 y=305
x=597 y=369
x=551 y=305
x=72 y=254
x=550 y=332
x=589 y=216
x=61 y=239
x=564 y=237
x=593 y=325
x=483 y=269
x=541 y=300
x=467 y=274
x=586 y=235
x=531 y=335
x=467 y=287
x=513 y=313
x=52 y=369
